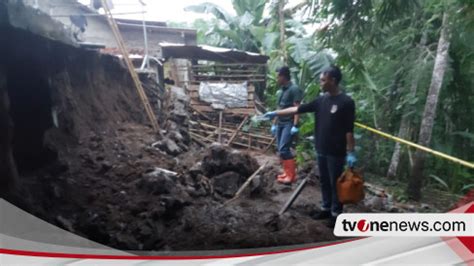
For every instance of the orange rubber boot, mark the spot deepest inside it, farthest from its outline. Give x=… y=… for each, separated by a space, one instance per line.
x=290 y=170
x=282 y=175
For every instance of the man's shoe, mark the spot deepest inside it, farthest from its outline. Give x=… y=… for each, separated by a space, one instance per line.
x=332 y=222
x=321 y=215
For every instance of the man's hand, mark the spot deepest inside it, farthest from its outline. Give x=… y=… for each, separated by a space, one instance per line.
x=274 y=130
x=270 y=115
x=351 y=159
x=294 y=130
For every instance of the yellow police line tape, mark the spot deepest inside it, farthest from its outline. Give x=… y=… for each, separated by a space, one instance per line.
x=423 y=148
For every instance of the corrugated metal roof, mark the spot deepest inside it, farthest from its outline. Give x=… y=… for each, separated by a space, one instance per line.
x=211 y=53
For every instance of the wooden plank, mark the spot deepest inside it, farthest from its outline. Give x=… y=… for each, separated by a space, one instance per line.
x=210 y=134
x=225 y=72
x=219 y=129
x=208 y=109
x=194 y=101
x=197 y=82
x=236 y=76
x=244 y=137
x=237 y=130
x=234 y=80
x=201 y=113
x=245 y=185
x=228 y=69
x=131 y=68
x=195 y=95
x=269 y=145
x=240 y=144
x=197 y=139
x=232 y=130
x=233 y=65
x=192 y=88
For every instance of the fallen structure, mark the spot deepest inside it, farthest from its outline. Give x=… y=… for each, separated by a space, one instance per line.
x=223 y=86
x=78 y=152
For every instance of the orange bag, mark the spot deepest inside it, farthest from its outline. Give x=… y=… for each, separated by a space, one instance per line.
x=350 y=187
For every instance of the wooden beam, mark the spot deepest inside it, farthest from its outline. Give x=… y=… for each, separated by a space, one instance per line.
x=194 y=101
x=232 y=130
x=269 y=145
x=246 y=146
x=250 y=88
x=197 y=138
x=201 y=113
x=236 y=76
x=228 y=80
x=245 y=185
x=130 y=66
x=234 y=64
x=236 y=111
x=212 y=133
x=237 y=130
x=219 y=129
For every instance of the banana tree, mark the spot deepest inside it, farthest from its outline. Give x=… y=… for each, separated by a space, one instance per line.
x=245 y=31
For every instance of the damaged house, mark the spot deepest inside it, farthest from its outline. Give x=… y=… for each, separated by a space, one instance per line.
x=89 y=28
x=77 y=149
x=224 y=87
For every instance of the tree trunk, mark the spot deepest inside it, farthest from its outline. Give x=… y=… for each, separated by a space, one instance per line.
x=8 y=171
x=426 y=128
x=281 y=17
x=403 y=131
x=395 y=161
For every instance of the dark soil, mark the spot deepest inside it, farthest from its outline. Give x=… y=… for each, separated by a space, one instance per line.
x=115 y=181
x=110 y=191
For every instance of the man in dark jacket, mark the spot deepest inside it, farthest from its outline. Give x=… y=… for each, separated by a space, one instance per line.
x=334 y=114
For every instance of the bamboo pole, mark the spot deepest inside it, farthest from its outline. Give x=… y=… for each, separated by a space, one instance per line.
x=131 y=68
x=269 y=145
x=250 y=140
x=198 y=138
x=213 y=133
x=245 y=185
x=232 y=130
x=219 y=130
x=237 y=130
x=201 y=113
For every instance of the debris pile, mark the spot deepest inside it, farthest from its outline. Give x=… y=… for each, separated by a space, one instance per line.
x=100 y=172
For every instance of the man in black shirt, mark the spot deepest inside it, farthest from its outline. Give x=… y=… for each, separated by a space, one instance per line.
x=334 y=114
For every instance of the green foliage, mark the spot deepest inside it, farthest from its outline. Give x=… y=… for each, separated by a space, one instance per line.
x=244 y=31
x=386 y=50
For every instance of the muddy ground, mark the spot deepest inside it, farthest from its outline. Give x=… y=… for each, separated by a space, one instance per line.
x=110 y=191
x=88 y=163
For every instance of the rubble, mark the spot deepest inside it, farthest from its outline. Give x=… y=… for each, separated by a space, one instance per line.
x=106 y=175
x=227 y=183
x=220 y=159
x=168 y=146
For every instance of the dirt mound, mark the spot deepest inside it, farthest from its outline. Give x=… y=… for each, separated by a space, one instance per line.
x=99 y=171
x=226 y=169
x=220 y=159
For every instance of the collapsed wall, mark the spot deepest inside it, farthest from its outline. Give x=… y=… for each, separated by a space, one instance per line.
x=78 y=146
x=61 y=92
x=77 y=152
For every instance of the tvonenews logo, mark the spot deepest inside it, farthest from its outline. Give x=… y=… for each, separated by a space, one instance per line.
x=407 y=224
